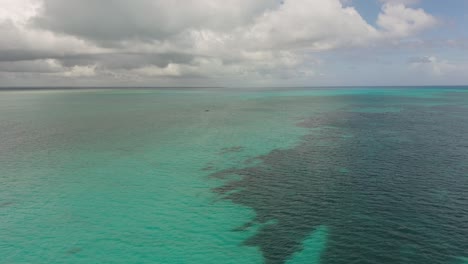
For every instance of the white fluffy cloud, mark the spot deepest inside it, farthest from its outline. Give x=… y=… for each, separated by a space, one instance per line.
x=313 y=24
x=190 y=38
x=397 y=20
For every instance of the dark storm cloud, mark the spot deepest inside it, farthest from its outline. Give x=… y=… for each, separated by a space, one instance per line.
x=102 y=20
x=25 y=55
x=147 y=20
x=125 y=60
x=36 y=66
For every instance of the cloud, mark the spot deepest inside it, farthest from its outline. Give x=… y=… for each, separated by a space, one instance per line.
x=18 y=11
x=36 y=66
x=313 y=24
x=397 y=20
x=180 y=39
x=433 y=65
x=145 y=19
x=81 y=71
x=22 y=40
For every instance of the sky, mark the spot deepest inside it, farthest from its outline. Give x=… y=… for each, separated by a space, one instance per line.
x=233 y=43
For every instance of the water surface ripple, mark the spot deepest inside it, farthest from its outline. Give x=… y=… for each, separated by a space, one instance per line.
x=390 y=186
x=335 y=175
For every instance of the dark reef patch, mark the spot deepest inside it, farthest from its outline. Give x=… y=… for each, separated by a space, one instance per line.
x=5 y=204
x=208 y=167
x=234 y=149
x=73 y=250
x=401 y=199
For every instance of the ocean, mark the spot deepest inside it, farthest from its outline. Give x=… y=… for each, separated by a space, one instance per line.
x=217 y=175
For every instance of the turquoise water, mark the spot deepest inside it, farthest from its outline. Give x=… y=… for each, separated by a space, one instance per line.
x=234 y=176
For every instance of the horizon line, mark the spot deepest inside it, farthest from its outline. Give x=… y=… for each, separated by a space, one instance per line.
x=18 y=88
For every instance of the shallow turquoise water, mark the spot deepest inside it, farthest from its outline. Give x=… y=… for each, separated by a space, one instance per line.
x=192 y=176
